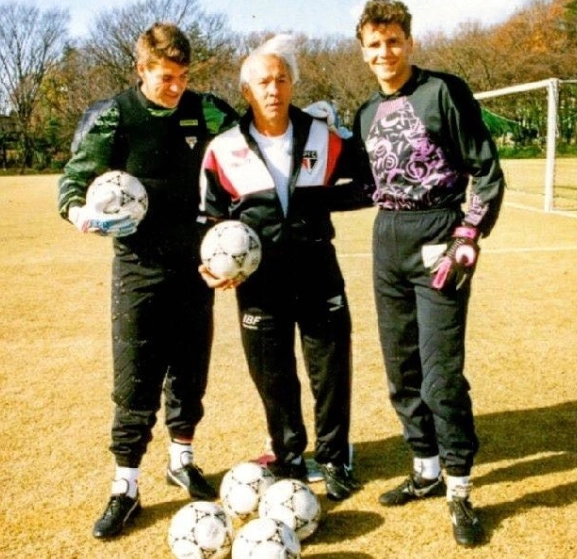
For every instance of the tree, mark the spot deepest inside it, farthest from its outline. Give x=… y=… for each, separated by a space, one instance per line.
x=31 y=40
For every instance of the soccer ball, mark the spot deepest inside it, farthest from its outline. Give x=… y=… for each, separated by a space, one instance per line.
x=293 y=502
x=117 y=192
x=242 y=488
x=266 y=538
x=201 y=530
x=231 y=249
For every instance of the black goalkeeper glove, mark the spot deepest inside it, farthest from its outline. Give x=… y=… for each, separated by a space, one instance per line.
x=457 y=264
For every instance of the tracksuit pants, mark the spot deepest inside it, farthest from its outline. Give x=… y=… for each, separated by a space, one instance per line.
x=301 y=288
x=422 y=335
x=162 y=328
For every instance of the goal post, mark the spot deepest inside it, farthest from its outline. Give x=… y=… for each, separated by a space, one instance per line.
x=535 y=108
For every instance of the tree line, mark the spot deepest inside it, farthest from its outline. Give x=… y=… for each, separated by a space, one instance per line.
x=48 y=77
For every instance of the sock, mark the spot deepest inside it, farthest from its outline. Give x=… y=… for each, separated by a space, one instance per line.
x=180 y=454
x=427 y=468
x=458 y=486
x=125 y=481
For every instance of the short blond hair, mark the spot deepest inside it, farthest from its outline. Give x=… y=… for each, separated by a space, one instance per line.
x=163 y=41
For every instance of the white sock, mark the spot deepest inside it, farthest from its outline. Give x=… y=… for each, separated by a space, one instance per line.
x=180 y=455
x=427 y=468
x=125 y=481
x=458 y=486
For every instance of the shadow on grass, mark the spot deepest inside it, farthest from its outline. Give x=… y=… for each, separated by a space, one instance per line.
x=151 y=513
x=543 y=440
x=503 y=436
x=338 y=526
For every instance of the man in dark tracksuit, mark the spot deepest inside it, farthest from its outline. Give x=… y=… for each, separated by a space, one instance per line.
x=421 y=138
x=161 y=309
x=276 y=171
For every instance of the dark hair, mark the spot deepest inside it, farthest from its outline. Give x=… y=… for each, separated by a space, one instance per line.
x=384 y=12
x=163 y=41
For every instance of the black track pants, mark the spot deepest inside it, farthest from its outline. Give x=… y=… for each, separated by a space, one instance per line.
x=422 y=335
x=162 y=327
x=272 y=304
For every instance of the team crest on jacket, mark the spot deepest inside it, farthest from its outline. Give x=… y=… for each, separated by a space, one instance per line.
x=310 y=159
x=191 y=141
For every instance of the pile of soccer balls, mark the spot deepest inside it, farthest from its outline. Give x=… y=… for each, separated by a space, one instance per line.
x=256 y=517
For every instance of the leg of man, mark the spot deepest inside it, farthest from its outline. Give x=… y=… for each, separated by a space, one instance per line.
x=268 y=337
x=325 y=327
x=188 y=338
x=139 y=368
x=398 y=330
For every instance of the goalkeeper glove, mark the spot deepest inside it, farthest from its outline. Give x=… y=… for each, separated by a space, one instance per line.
x=457 y=264
x=88 y=220
x=323 y=110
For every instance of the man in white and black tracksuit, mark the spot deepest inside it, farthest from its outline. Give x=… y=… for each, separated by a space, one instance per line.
x=275 y=171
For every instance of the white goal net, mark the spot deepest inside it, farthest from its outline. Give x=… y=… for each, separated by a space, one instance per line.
x=535 y=128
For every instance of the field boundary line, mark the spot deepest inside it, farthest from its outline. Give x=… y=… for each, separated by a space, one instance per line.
x=561 y=213
x=512 y=250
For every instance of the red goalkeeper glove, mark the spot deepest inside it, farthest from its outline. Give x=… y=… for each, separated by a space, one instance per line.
x=457 y=264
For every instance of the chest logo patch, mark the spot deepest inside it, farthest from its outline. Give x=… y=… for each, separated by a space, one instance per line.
x=310 y=160
x=191 y=141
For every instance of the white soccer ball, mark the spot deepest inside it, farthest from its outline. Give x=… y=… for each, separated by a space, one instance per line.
x=293 y=502
x=117 y=192
x=201 y=530
x=242 y=488
x=231 y=249
x=266 y=538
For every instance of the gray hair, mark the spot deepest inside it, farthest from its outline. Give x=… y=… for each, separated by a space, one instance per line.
x=280 y=46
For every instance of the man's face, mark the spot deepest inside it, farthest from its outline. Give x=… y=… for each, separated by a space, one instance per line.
x=387 y=50
x=163 y=82
x=269 y=90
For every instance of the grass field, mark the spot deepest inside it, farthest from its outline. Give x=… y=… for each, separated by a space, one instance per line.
x=55 y=383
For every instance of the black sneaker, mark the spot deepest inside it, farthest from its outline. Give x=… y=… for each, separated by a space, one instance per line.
x=414 y=487
x=190 y=477
x=119 y=510
x=284 y=470
x=467 y=529
x=339 y=481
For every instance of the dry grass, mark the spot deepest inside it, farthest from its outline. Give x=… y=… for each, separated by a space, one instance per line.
x=56 y=410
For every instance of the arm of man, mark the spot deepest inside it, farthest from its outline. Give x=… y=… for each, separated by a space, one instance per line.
x=479 y=156
x=91 y=154
x=349 y=190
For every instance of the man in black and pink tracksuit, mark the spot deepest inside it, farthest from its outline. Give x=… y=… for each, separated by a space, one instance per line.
x=276 y=171
x=422 y=141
